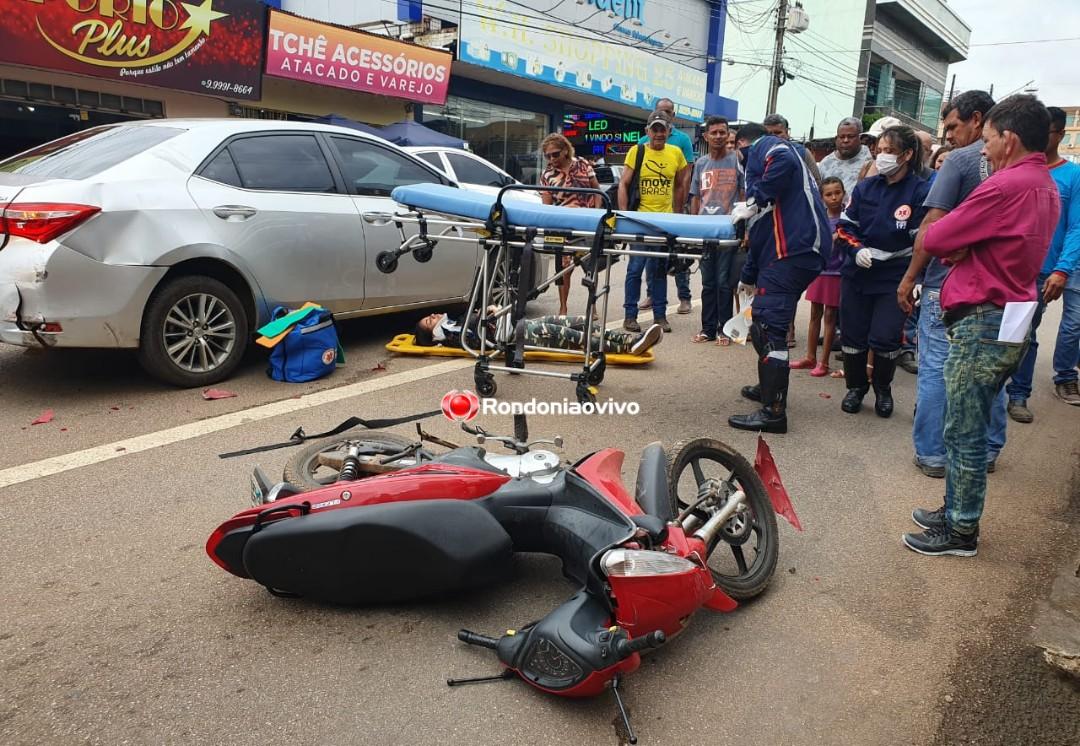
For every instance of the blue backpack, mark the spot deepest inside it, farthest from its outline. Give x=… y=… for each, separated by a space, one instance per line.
x=309 y=351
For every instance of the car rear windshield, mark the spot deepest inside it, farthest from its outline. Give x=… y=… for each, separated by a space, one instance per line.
x=88 y=153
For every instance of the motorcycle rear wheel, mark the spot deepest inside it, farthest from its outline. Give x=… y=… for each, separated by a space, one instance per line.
x=705 y=462
x=318 y=464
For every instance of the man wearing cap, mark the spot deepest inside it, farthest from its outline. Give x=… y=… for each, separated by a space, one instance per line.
x=788 y=229
x=680 y=140
x=849 y=157
x=663 y=186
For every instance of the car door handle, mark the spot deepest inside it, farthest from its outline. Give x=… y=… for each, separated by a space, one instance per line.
x=234 y=212
x=377 y=218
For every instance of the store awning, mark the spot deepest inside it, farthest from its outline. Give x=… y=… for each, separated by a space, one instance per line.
x=413 y=133
x=339 y=121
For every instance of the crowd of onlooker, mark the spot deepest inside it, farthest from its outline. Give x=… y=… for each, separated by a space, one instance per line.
x=923 y=256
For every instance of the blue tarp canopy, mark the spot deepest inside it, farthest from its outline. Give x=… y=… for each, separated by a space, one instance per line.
x=339 y=121
x=413 y=133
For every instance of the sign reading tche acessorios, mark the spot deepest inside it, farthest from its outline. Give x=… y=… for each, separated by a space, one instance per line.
x=206 y=46
x=327 y=55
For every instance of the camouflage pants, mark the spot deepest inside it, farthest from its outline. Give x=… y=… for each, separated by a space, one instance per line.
x=568 y=333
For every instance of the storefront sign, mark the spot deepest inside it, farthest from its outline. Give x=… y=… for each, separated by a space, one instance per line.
x=594 y=133
x=327 y=55
x=498 y=37
x=206 y=46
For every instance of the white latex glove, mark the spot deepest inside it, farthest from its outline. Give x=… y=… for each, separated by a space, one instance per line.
x=916 y=293
x=743 y=211
x=748 y=290
x=864 y=258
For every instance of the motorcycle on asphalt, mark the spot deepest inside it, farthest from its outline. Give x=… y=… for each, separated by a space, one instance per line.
x=376 y=519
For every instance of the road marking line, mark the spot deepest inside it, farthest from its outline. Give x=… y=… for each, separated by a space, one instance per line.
x=66 y=462
x=87 y=457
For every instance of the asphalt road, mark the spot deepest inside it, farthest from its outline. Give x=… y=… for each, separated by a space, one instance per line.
x=116 y=628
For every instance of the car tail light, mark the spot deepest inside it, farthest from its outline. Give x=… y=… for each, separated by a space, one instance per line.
x=642 y=562
x=44 y=221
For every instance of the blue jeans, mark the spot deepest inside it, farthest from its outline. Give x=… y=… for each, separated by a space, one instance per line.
x=716 y=297
x=1019 y=386
x=682 y=285
x=655 y=271
x=975 y=372
x=1067 y=348
x=928 y=432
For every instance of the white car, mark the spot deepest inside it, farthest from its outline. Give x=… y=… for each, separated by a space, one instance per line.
x=471 y=171
x=179 y=237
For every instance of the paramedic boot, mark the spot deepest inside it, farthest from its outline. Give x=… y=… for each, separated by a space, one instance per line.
x=855 y=375
x=884 y=368
x=772 y=417
x=753 y=393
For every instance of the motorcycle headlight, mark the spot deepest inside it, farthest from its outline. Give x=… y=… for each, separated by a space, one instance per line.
x=641 y=562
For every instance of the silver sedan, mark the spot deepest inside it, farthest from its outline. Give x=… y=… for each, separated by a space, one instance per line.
x=180 y=237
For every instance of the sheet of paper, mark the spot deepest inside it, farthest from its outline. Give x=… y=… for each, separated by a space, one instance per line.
x=1016 y=321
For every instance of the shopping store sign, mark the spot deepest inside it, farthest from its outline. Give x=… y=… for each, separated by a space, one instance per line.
x=206 y=46
x=317 y=53
x=498 y=36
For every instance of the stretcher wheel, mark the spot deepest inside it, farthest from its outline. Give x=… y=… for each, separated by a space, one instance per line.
x=596 y=376
x=585 y=393
x=485 y=385
x=423 y=255
x=386 y=261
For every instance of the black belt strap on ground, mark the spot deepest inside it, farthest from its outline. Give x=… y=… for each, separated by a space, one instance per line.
x=300 y=436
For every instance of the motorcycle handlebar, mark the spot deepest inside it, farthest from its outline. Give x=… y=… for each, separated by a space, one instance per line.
x=626 y=648
x=472 y=638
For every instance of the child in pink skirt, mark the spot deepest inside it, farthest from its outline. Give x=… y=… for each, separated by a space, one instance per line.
x=824 y=292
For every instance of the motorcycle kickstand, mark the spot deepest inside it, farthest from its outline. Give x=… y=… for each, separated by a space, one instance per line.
x=506 y=675
x=630 y=736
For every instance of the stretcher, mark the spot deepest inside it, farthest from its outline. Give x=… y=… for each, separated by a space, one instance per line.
x=511 y=233
x=405 y=344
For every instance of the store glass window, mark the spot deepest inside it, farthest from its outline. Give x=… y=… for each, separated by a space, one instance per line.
x=931 y=108
x=509 y=138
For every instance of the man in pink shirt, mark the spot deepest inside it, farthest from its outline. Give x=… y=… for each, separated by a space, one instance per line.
x=995 y=242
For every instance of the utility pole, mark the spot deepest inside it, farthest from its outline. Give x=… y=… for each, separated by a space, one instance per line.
x=778 y=57
x=952 y=88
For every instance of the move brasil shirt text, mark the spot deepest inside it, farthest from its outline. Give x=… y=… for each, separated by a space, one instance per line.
x=657 y=177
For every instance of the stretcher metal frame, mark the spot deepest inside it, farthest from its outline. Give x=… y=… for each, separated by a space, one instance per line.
x=504 y=278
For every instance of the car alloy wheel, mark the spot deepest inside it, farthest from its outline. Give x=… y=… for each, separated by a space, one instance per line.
x=199 y=333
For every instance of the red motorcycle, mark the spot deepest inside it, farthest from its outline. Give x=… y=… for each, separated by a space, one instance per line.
x=381 y=520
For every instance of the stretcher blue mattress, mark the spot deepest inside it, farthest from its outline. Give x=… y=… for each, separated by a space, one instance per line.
x=452 y=201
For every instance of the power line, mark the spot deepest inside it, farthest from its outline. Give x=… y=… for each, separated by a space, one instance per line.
x=810 y=49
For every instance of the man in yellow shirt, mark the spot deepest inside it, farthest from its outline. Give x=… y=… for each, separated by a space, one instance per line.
x=662 y=186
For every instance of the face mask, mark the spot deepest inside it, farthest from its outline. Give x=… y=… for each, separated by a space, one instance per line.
x=744 y=152
x=886 y=164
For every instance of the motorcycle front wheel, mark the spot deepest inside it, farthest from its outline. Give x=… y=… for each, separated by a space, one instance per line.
x=703 y=474
x=319 y=464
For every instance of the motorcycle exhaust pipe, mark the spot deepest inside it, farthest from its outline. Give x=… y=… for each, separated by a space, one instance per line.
x=708 y=532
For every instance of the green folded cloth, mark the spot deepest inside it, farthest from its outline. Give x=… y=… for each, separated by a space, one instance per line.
x=277 y=326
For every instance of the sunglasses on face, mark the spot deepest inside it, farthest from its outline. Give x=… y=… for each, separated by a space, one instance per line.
x=553 y=154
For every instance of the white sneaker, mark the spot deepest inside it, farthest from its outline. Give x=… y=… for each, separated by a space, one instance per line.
x=649 y=338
